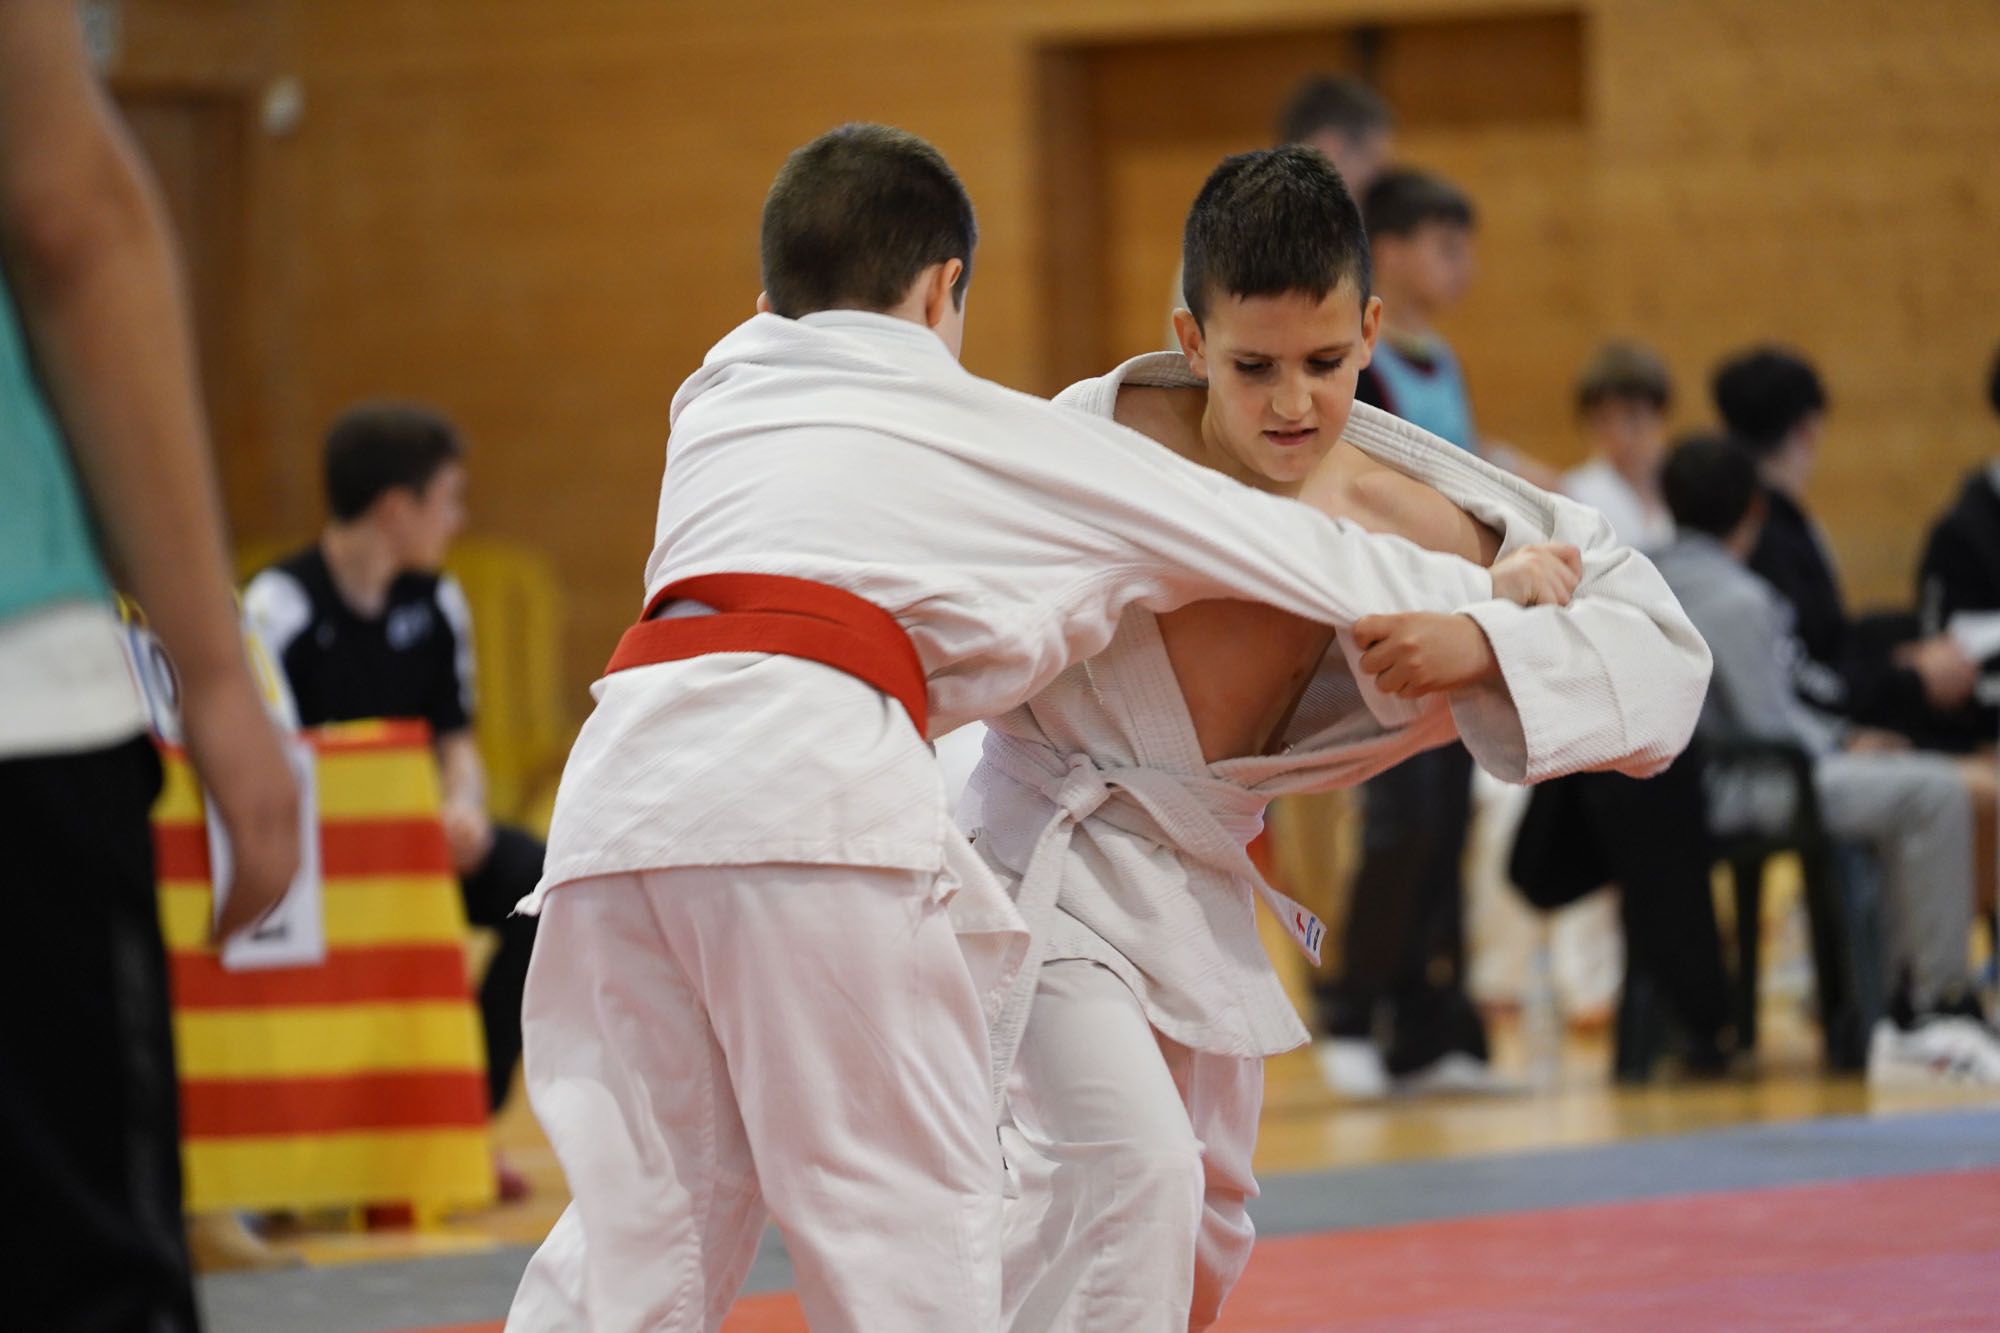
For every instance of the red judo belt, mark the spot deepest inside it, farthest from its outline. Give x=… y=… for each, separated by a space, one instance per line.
x=770 y=613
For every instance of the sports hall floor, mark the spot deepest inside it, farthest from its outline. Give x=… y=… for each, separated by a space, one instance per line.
x=1785 y=1201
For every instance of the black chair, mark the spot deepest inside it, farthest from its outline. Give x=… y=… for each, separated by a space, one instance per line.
x=1832 y=901
x=1558 y=856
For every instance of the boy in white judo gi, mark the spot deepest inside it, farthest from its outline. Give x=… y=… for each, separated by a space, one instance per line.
x=1117 y=803
x=746 y=993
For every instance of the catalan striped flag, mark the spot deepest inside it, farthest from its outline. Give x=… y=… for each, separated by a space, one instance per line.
x=361 y=1080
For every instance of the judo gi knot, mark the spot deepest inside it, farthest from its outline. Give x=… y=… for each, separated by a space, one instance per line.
x=1082 y=789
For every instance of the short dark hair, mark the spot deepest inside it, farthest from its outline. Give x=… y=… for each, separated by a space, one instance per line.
x=854 y=216
x=1403 y=199
x=1710 y=483
x=1993 y=383
x=374 y=448
x=1624 y=371
x=1270 y=222
x=1334 y=102
x=1764 y=393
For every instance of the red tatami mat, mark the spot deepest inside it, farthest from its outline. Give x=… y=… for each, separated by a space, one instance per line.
x=1908 y=1252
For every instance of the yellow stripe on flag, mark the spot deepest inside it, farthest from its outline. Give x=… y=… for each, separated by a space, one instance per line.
x=180 y=794
x=348 y=1039
x=364 y=783
x=377 y=784
x=360 y=912
x=451 y=1166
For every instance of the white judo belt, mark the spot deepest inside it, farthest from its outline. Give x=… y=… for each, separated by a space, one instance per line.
x=1078 y=788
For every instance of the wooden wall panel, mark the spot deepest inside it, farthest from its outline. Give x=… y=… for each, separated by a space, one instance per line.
x=1820 y=174
x=538 y=216
x=196 y=144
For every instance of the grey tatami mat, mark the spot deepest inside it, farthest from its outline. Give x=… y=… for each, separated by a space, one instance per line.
x=1748 y=1157
x=413 y=1294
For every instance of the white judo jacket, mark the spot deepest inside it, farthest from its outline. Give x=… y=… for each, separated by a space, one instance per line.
x=1006 y=534
x=1147 y=874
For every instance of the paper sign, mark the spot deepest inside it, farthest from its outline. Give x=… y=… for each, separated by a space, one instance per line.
x=1977 y=633
x=294 y=933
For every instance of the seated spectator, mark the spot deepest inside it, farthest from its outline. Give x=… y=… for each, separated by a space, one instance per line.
x=366 y=626
x=1960 y=574
x=1909 y=808
x=1622 y=398
x=1774 y=405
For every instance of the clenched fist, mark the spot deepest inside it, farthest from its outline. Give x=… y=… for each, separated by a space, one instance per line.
x=1422 y=652
x=1541 y=575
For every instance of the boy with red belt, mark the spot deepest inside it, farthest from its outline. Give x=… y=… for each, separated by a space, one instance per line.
x=762 y=978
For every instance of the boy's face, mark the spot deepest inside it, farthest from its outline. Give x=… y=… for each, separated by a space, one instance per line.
x=1281 y=373
x=1630 y=432
x=1432 y=266
x=428 y=520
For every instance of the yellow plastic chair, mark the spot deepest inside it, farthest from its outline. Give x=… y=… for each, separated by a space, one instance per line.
x=524 y=728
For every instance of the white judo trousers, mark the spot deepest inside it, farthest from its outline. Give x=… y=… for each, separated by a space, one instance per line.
x=677 y=998
x=1131 y=1159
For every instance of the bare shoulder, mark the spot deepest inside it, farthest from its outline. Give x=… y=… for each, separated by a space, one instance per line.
x=1171 y=416
x=1385 y=500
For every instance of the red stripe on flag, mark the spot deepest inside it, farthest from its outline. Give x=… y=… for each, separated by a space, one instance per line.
x=233 y=1108
x=387 y=735
x=413 y=846
x=180 y=851
x=383 y=847
x=385 y=974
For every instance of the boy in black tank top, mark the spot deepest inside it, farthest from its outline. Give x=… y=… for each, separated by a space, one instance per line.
x=366 y=626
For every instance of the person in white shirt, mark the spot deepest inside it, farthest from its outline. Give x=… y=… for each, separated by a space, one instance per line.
x=1622 y=398
x=1116 y=803
x=767 y=960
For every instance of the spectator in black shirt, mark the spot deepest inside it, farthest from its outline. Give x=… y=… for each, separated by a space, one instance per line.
x=1773 y=402
x=366 y=626
x=1960 y=572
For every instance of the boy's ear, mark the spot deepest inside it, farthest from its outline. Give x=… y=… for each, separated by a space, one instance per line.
x=763 y=303
x=938 y=296
x=392 y=505
x=1187 y=329
x=1371 y=328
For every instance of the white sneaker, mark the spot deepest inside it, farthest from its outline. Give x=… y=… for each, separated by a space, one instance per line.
x=1457 y=1073
x=1352 y=1067
x=1937 y=1050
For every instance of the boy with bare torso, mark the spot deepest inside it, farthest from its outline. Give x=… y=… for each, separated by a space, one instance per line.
x=1116 y=803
